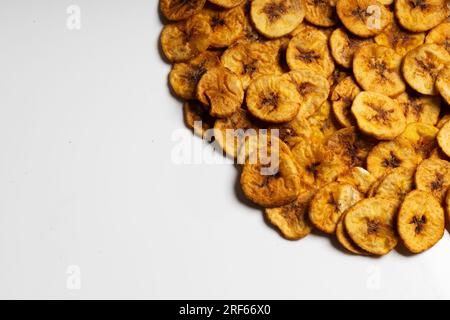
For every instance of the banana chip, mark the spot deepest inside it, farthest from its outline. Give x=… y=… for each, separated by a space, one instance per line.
x=221 y=91
x=309 y=50
x=321 y=13
x=443 y=139
x=364 y=18
x=422 y=65
x=323 y=122
x=443 y=121
x=292 y=220
x=276 y=18
x=343 y=46
x=342 y=99
x=371 y=225
x=227 y=3
x=180 y=9
x=377 y=68
x=399 y=40
x=440 y=35
x=443 y=83
x=421 y=221
x=196 y=118
x=396 y=184
x=336 y=77
x=329 y=203
x=418 y=108
x=422 y=138
x=273 y=99
x=433 y=175
x=420 y=15
x=345 y=240
x=378 y=115
x=358 y=177
x=184 y=76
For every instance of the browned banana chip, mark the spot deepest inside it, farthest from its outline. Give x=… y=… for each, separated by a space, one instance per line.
x=399 y=40
x=443 y=121
x=309 y=50
x=221 y=91
x=184 y=40
x=345 y=240
x=342 y=99
x=227 y=3
x=180 y=9
x=422 y=65
x=321 y=13
x=396 y=184
x=422 y=138
x=292 y=220
x=377 y=69
x=420 y=15
x=419 y=108
x=329 y=203
x=364 y=18
x=276 y=18
x=443 y=83
x=358 y=177
x=371 y=224
x=343 y=46
x=313 y=89
x=323 y=122
x=227 y=25
x=184 y=76
x=336 y=77
x=421 y=221
x=443 y=139
x=440 y=35
x=294 y=131
x=273 y=99
x=378 y=115
x=197 y=118
x=390 y=155
x=433 y=175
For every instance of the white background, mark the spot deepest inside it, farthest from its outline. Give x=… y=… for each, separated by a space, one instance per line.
x=86 y=179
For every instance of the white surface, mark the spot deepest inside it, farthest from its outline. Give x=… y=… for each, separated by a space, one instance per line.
x=86 y=179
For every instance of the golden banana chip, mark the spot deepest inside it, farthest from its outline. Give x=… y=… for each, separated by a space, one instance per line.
x=378 y=115
x=227 y=3
x=390 y=155
x=343 y=46
x=180 y=9
x=273 y=99
x=422 y=65
x=364 y=18
x=443 y=121
x=309 y=50
x=399 y=40
x=433 y=175
x=377 y=68
x=421 y=221
x=221 y=91
x=321 y=13
x=443 y=83
x=440 y=35
x=358 y=177
x=418 y=108
x=345 y=240
x=443 y=139
x=420 y=15
x=329 y=203
x=313 y=89
x=396 y=184
x=336 y=77
x=276 y=18
x=184 y=76
x=196 y=118
x=292 y=220
x=422 y=138
x=322 y=121
x=371 y=224
x=342 y=99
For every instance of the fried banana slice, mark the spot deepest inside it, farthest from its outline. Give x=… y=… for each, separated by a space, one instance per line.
x=378 y=115
x=370 y=223
x=422 y=65
x=358 y=177
x=364 y=18
x=273 y=99
x=433 y=175
x=420 y=15
x=180 y=9
x=440 y=35
x=220 y=90
x=345 y=240
x=309 y=50
x=396 y=184
x=419 y=108
x=323 y=122
x=443 y=121
x=228 y=4
x=343 y=46
x=186 y=39
x=422 y=138
x=196 y=118
x=336 y=77
x=342 y=99
x=421 y=221
x=399 y=40
x=390 y=155
x=276 y=18
x=227 y=25
x=250 y=60
x=321 y=13
x=377 y=68
x=443 y=84
x=292 y=220
x=312 y=88
x=443 y=139
x=329 y=203
x=184 y=76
